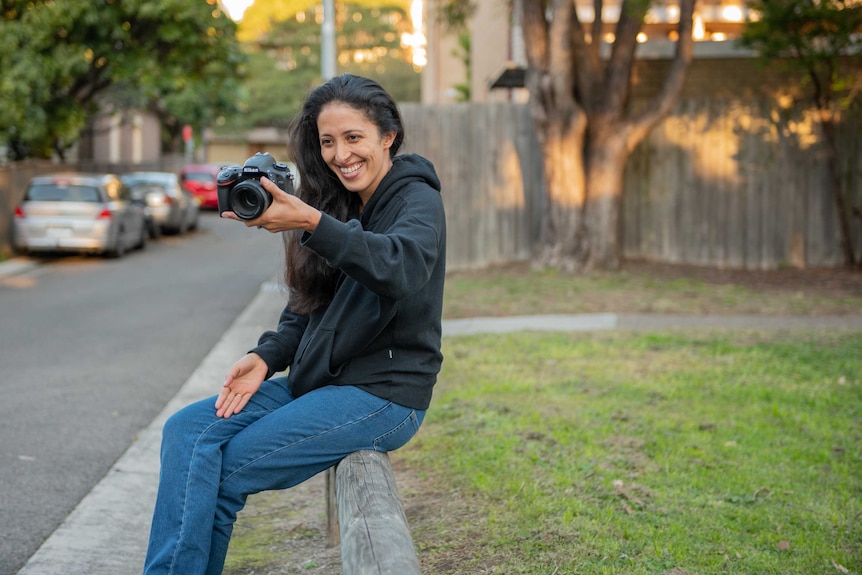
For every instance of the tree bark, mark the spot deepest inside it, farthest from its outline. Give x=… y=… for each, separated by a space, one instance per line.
x=606 y=163
x=566 y=185
x=837 y=187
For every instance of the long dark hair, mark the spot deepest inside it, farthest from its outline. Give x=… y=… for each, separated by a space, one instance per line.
x=309 y=278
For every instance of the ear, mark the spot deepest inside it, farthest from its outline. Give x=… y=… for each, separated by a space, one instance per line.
x=388 y=138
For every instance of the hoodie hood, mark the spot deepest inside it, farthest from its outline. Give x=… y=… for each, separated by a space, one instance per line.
x=406 y=169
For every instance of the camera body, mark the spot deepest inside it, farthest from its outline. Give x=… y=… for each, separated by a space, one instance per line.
x=240 y=190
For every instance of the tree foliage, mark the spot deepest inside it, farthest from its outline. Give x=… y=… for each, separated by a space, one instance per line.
x=283 y=41
x=808 y=35
x=821 y=41
x=62 y=61
x=263 y=15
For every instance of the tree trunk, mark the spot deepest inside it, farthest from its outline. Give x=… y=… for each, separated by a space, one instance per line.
x=579 y=107
x=838 y=193
x=562 y=150
x=606 y=163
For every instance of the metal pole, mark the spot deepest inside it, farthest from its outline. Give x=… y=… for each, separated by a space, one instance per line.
x=327 y=41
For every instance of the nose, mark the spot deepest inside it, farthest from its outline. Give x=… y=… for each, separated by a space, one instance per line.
x=342 y=152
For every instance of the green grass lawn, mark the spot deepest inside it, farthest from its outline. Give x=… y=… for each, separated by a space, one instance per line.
x=630 y=454
x=613 y=453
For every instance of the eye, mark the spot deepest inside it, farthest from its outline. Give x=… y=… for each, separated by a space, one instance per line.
x=325 y=141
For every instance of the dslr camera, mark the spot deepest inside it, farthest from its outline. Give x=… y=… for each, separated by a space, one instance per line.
x=240 y=190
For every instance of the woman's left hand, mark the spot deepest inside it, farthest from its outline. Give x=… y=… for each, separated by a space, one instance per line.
x=287 y=212
x=242 y=381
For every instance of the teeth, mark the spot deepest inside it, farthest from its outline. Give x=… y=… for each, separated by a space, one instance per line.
x=351 y=169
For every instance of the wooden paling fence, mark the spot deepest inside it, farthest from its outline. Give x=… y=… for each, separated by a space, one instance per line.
x=726 y=183
x=491 y=169
x=741 y=184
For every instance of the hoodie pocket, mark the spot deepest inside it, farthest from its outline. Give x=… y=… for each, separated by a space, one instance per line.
x=315 y=355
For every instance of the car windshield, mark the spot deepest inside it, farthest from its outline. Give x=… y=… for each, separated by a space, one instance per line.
x=152 y=179
x=141 y=190
x=62 y=193
x=199 y=176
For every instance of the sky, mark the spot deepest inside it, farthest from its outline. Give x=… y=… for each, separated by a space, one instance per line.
x=235 y=8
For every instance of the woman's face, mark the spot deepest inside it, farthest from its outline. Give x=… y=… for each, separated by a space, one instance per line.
x=353 y=148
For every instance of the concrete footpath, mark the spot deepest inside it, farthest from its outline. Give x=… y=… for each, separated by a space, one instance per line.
x=107 y=532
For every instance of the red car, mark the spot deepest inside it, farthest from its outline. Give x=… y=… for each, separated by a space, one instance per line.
x=200 y=181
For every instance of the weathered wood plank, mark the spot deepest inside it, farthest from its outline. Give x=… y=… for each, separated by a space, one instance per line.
x=375 y=537
x=333 y=537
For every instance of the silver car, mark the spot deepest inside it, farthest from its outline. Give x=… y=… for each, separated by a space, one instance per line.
x=79 y=213
x=169 y=207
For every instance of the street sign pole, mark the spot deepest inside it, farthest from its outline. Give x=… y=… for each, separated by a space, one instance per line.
x=327 y=48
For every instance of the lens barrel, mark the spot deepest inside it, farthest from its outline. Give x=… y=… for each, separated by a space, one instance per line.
x=248 y=200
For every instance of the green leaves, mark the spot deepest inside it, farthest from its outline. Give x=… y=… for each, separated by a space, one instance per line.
x=62 y=61
x=283 y=44
x=813 y=33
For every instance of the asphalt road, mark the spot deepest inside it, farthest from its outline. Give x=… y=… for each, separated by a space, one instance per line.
x=91 y=350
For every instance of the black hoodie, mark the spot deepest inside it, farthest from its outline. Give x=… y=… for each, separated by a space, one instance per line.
x=382 y=330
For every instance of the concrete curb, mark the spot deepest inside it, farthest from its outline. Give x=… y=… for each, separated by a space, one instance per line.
x=16 y=266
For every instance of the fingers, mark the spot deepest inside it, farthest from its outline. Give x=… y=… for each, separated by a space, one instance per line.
x=248 y=223
x=230 y=403
x=223 y=395
x=273 y=188
x=241 y=382
x=269 y=185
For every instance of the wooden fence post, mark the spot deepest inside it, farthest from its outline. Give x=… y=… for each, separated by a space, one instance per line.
x=375 y=537
x=332 y=536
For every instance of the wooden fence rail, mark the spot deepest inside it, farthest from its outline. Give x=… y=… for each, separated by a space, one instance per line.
x=375 y=537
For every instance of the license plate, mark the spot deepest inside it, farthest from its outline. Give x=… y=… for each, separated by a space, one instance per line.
x=58 y=232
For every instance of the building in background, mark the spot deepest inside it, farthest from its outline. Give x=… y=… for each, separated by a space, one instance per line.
x=497 y=57
x=128 y=137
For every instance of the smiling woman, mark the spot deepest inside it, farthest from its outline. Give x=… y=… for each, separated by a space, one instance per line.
x=360 y=332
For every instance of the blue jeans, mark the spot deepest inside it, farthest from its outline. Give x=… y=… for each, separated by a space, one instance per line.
x=209 y=465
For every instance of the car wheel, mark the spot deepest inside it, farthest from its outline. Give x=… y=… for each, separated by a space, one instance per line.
x=155 y=230
x=119 y=250
x=145 y=235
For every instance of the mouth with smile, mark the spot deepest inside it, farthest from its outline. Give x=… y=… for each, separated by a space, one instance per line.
x=348 y=171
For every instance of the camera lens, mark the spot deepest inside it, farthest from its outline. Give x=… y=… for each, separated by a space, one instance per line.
x=249 y=200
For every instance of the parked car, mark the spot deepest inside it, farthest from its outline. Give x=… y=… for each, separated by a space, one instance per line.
x=200 y=181
x=79 y=213
x=169 y=207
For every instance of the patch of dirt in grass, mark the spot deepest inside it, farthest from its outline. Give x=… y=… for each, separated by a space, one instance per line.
x=790 y=291
x=446 y=525
x=826 y=282
x=295 y=520
x=644 y=287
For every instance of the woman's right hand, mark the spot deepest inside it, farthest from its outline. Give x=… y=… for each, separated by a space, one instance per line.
x=287 y=212
x=242 y=381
